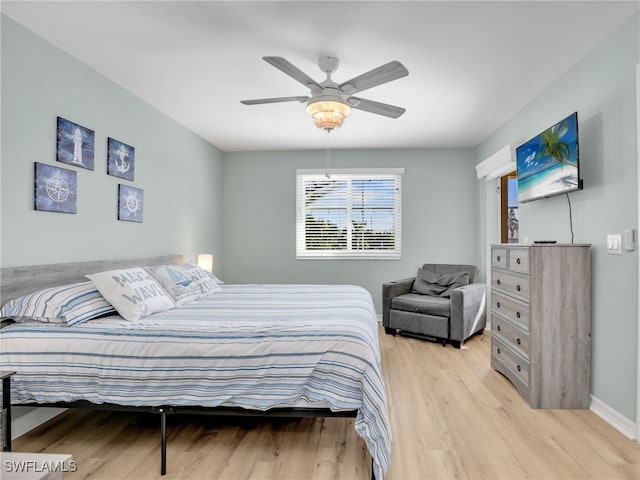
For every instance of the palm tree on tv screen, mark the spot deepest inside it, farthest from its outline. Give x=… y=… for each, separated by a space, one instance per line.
x=552 y=146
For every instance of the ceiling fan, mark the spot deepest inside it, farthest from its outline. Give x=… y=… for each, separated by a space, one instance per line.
x=329 y=102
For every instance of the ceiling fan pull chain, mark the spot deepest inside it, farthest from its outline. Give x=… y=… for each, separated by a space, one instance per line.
x=327 y=155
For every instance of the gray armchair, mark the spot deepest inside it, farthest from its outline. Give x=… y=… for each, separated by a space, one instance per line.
x=443 y=302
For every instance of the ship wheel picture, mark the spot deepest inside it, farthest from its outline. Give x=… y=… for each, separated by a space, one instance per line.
x=130 y=203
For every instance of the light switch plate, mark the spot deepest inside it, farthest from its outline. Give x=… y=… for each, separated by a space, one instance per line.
x=629 y=239
x=614 y=244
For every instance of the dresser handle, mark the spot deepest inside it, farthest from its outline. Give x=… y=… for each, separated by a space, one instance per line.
x=518 y=287
x=498 y=281
x=518 y=314
x=498 y=258
x=518 y=341
x=498 y=305
x=499 y=352
x=519 y=368
x=498 y=328
x=518 y=261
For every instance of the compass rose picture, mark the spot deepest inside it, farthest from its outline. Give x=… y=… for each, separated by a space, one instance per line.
x=56 y=189
x=130 y=203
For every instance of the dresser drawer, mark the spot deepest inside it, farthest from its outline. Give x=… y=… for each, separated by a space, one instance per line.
x=517 y=338
x=512 y=310
x=499 y=258
x=517 y=365
x=518 y=260
x=513 y=284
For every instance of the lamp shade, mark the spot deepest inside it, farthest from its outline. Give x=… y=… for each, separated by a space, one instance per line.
x=328 y=113
x=205 y=261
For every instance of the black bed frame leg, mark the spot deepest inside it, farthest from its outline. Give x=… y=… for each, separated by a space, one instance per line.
x=163 y=446
x=373 y=472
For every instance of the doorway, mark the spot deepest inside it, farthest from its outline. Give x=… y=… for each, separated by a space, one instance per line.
x=509 y=213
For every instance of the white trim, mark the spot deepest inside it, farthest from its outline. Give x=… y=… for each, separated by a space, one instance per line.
x=345 y=203
x=350 y=171
x=613 y=418
x=638 y=278
x=497 y=165
x=33 y=419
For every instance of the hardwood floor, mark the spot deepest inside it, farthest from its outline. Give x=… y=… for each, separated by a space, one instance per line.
x=452 y=418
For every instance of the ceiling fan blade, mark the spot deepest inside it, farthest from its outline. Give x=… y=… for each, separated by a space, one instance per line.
x=258 y=101
x=383 y=74
x=294 y=72
x=375 y=107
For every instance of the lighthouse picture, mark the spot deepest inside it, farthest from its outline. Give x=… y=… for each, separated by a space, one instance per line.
x=75 y=144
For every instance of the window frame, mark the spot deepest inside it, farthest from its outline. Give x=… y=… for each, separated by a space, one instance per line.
x=348 y=174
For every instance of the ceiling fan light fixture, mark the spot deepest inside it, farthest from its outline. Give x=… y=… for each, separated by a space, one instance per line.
x=328 y=114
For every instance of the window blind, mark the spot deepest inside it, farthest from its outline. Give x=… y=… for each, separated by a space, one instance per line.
x=349 y=213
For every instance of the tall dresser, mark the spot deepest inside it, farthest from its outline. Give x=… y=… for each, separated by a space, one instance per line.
x=541 y=321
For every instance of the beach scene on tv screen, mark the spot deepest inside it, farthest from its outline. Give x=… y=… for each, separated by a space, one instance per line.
x=548 y=163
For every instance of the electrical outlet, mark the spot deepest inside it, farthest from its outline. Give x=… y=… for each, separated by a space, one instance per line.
x=614 y=244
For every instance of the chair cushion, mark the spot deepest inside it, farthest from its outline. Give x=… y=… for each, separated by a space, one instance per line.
x=453 y=268
x=425 y=304
x=431 y=283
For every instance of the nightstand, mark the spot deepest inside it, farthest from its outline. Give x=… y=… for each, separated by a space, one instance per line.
x=5 y=414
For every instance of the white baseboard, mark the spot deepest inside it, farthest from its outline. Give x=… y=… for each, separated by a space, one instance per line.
x=613 y=418
x=32 y=419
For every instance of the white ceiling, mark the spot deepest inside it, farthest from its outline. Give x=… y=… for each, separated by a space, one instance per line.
x=472 y=65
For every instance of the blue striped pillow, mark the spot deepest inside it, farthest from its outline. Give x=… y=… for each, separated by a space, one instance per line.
x=73 y=304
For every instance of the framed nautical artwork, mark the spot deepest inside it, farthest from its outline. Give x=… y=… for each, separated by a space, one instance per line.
x=120 y=159
x=75 y=144
x=56 y=189
x=130 y=203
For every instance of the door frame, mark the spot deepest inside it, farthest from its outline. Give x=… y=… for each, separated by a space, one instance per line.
x=638 y=273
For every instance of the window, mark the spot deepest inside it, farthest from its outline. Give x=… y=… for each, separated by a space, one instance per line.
x=509 y=221
x=348 y=213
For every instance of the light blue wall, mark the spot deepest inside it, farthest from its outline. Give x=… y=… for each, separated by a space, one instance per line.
x=439 y=216
x=602 y=89
x=241 y=206
x=180 y=173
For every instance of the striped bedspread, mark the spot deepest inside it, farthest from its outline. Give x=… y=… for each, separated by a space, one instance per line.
x=250 y=346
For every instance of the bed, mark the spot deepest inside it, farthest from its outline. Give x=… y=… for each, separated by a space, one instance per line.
x=294 y=350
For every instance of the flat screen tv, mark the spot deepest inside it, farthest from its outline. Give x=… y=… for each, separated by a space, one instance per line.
x=549 y=163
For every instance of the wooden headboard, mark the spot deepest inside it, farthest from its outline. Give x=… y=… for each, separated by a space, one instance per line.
x=17 y=281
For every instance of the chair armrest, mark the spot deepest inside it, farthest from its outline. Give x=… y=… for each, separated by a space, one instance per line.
x=393 y=289
x=468 y=310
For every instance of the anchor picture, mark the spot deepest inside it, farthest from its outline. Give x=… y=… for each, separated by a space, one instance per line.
x=120 y=159
x=75 y=144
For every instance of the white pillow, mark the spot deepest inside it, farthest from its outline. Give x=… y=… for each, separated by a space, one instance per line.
x=133 y=292
x=202 y=278
x=178 y=281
